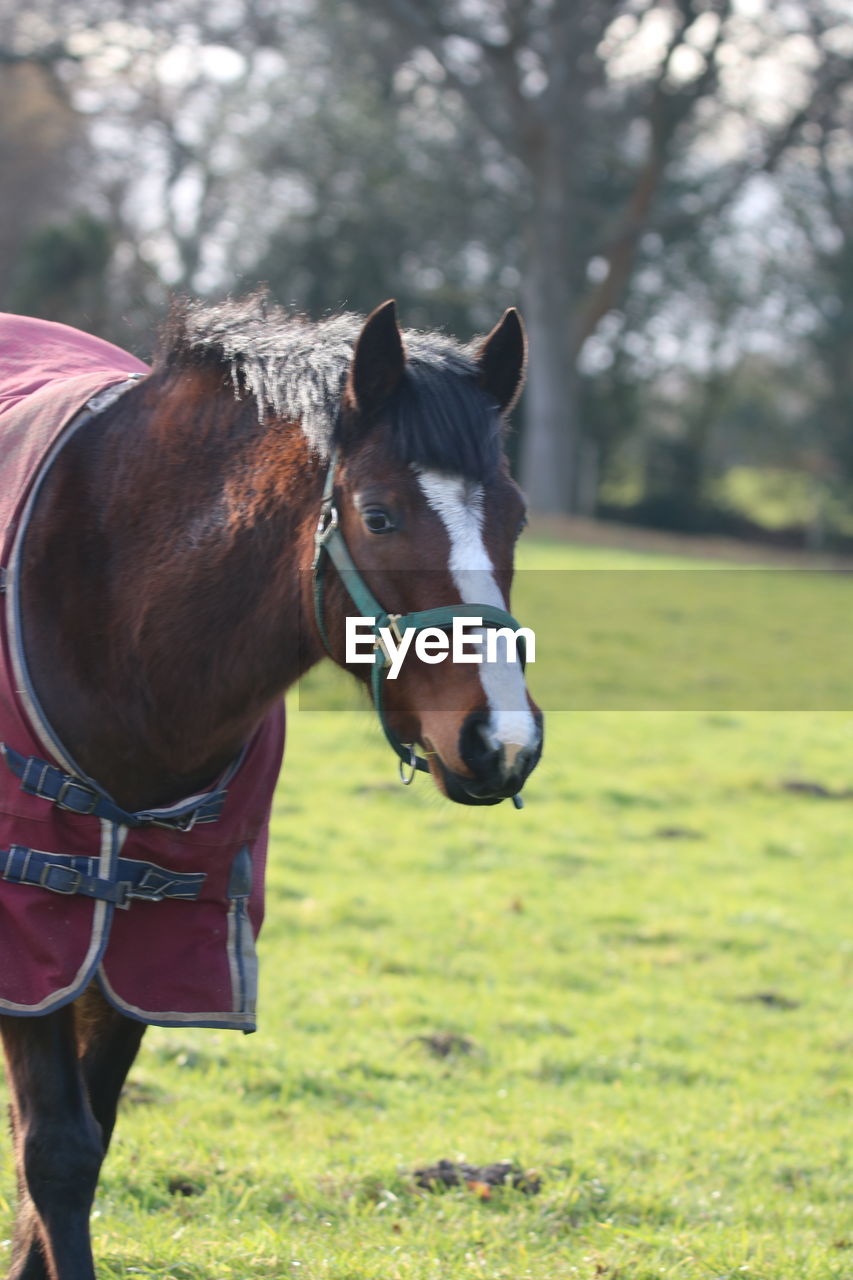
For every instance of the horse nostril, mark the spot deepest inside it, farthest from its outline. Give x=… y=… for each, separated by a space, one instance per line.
x=477 y=746
x=489 y=759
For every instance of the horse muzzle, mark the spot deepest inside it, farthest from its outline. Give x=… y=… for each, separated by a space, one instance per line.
x=497 y=771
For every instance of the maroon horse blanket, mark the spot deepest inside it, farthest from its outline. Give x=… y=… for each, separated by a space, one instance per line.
x=161 y=908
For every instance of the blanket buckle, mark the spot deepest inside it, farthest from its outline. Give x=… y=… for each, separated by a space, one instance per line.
x=70 y=785
x=58 y=879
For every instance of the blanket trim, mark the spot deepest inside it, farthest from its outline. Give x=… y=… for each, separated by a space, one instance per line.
x=38 y=721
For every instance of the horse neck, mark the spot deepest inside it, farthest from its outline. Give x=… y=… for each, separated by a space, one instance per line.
x=168 y=550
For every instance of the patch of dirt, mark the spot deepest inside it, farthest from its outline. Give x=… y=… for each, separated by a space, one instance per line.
x=480 y=1179
x=181 y=1186
x=805 y=787
x=771 y=999
x=445 y=1044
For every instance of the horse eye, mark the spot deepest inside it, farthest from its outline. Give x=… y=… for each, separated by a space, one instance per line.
x=378 y=521
x=522 y=525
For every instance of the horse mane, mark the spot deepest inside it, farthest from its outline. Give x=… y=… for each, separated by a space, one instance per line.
x=295 y=371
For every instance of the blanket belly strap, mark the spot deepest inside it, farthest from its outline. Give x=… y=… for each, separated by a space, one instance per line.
x=47 y=782
x=76 y=874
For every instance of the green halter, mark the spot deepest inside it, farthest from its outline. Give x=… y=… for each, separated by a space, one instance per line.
x=330 y=544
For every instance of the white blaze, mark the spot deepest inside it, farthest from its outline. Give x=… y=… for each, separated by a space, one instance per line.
x=459 y=504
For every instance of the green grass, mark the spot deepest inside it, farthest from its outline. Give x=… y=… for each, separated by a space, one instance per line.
x=652 y=964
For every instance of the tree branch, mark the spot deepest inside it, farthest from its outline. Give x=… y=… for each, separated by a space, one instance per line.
x=421 y=24
x=667 y=112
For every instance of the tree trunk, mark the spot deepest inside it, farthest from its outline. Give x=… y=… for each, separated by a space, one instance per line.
x=549 y=445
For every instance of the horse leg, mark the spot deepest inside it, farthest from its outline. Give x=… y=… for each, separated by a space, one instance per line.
x=58 y=1148
x=107 y=1043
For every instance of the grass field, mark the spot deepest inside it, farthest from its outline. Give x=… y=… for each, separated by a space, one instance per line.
x=638 y=989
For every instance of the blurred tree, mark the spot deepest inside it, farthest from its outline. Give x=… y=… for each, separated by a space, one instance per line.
x=595 y=104
x=455 y=153
x=61 y=274
x=270 y=142
x=761 y=288
x=390 y=203
x=818 y=185
x=709 y=354
x=42 y=150
x=63 y=255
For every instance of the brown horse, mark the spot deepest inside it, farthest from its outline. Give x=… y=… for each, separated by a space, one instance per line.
x=167 y=601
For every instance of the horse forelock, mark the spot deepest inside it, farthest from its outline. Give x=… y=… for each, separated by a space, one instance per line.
x=296 y=371
x=446 y=423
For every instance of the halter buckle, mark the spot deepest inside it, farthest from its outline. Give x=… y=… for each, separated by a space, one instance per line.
x=328 y=520
x=326 y=526
x=393 y=625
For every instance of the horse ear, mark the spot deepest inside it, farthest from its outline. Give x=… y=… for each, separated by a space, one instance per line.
x=502 y=358
x=378 y=362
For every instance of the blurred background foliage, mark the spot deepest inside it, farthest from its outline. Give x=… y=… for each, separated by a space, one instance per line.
x=664 y=186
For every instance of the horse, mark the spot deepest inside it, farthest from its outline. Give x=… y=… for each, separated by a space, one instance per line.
x=193 y=542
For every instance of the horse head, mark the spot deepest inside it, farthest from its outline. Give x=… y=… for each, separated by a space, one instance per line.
x=420 y=498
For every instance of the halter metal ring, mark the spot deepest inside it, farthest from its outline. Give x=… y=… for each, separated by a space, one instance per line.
x=328 y=520
x=411 y=763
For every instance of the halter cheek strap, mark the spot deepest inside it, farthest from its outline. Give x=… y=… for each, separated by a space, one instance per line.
x=330 y=544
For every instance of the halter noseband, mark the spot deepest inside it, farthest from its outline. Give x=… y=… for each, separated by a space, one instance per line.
x=330 y=544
